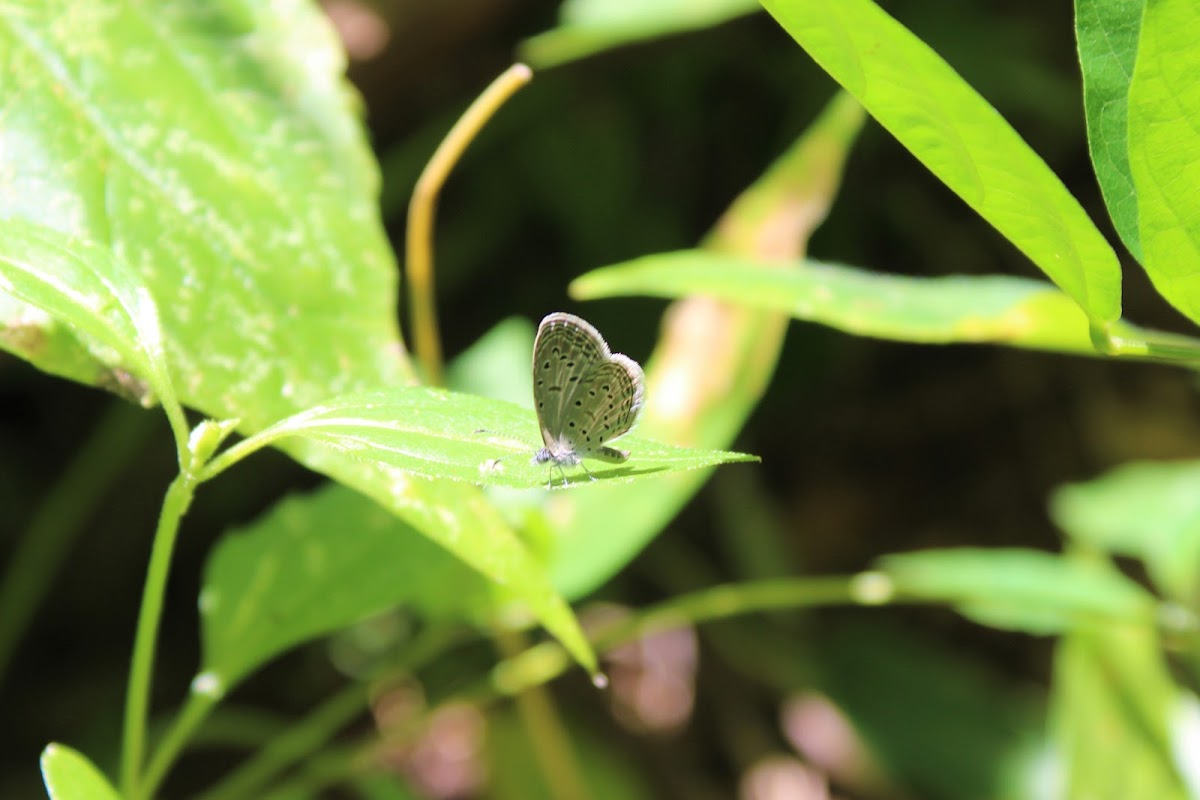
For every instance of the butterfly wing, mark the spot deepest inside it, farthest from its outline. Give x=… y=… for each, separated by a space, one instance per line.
x=565 y=351
x=605 y=406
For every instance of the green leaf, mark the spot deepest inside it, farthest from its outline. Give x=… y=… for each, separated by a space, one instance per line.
x=1023 y=590
x=30 y=333
x=441 y=434
x=1107 y=31
x=235 y=178
x=712 y=363
x=316 y=563
x=265 y=249
x=961 y=308
x=81 y=285
x=1147 y=510
x=1164 y=149
x=69 y=775
x=921 y=101
x=592 y=26
x=1112 y=706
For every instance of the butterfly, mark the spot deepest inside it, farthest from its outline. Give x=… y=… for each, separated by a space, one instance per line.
x=585 y=394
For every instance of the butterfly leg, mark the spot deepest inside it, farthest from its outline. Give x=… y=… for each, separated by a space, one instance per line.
x=585 y=471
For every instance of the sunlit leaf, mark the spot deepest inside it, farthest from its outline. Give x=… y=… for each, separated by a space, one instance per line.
x=440 y=434
x=80 y=285
x=1164 y=149
x=960 y=308
x=934 y=113
x=1107 y=31
x=69 y=775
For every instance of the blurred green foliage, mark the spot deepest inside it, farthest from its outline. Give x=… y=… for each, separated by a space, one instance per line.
x=243 y=197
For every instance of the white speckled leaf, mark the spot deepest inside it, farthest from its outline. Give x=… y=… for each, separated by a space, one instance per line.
x=213 y=147
x=110 y=315
x=462 y=437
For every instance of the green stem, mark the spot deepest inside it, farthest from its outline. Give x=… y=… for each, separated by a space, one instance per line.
x=137 y=698
x=546 y=661
x=730 y=600
x=291 y=426
x=418 y=261
x=195 y=709
x=246 y=447
x=102 y=459
x=293 y=746
x=551 y=742
x=1130 y=341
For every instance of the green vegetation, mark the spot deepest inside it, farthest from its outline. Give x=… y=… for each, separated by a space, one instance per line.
x=190 y=218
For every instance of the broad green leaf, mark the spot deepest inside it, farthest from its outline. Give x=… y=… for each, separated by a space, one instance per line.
x=263 y=251
x=1111 y=712
x=1164 y=149
x=961 y=308
x=103 y=302
x=1107 y=31
x=921 y=101
x=1149 y=511
x=441 y=434
x=69 y=775
x=592 y=26
x=35 y=336
x=712 y=363
x=313 y=564
x=235 y=179
x=1024 y=590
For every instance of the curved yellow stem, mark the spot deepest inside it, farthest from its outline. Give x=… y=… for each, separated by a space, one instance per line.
x=421 y=210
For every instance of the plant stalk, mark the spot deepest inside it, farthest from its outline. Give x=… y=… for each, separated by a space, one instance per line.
x=422 y=209
x=195 y=709
x=137 y=699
